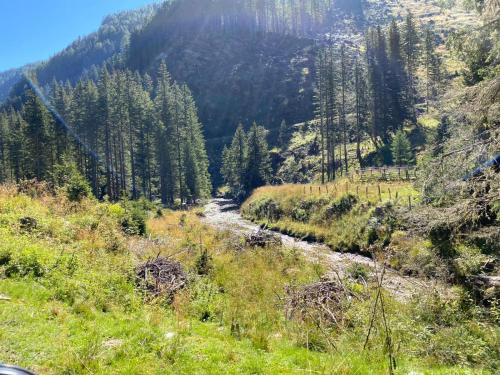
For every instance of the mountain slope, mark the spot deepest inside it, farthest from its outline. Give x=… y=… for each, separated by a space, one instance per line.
x=83 y=55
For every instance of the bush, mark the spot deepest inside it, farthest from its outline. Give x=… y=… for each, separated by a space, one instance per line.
x=68 y=177
x=29 y=261
x=340 y=207
x=204 y=263
x=134 y=221
x=266 y=208
x=470 y=261
x=77 y=188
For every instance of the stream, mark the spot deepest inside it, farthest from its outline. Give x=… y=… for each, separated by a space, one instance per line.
x=224 y=215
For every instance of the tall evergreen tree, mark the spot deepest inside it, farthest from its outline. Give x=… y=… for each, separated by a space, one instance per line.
x=235 y=160
x=411 y=47
x=38 y=142
x=432 y=66
x=3 y=147
x=401 y=149
x=258 y=165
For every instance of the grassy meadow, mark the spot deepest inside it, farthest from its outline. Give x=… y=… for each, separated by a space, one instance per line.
x=336 y=214
x=70 y=305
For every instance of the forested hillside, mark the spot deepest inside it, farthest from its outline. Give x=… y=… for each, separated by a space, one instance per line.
x=124 y=132
x=257 y=187
x=87 y=54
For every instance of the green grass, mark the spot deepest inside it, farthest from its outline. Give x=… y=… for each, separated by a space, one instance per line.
x=74 y=308
x=303 y=210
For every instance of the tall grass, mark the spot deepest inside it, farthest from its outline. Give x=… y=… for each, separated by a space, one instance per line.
x=74 y=307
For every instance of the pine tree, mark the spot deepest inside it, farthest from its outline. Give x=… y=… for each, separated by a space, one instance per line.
x=432 y=65
x=3 y=147
x=258 y=165
x=165 y=135
x=16 y=146
x=397 y=79
x=361 y=109
x=284 y=135
x=197 y=179
x=38 y=145
x=344 y=82
x=401 y=149
x=411 y=48
x=235 y=160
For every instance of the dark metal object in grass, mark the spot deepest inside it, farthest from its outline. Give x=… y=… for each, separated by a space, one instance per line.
x=13 y=370
x=161 y=276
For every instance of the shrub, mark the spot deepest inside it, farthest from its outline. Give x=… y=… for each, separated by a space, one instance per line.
x=204 y=263
x=470 y=261
x=77 y=188
x=265 y=208
x=134 y=218
x=340 y=207
x=29 y=261
x=68 y=177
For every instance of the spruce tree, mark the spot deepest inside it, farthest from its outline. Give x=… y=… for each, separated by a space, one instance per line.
x=235 y=158
x=258 y=165
x=401 y=149
x=3 y=147
x=432 y=65
x=38 y=145
x=411 y=48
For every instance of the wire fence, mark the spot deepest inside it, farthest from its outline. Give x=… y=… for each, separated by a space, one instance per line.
x=379 y=192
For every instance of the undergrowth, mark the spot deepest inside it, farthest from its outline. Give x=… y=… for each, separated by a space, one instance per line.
x=70 y=304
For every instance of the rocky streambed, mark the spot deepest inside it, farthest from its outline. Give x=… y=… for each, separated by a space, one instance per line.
x=224 y=215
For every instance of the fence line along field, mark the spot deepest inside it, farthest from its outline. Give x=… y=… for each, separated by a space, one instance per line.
x=398 y=192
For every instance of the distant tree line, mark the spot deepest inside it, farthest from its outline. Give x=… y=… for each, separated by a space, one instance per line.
x=246 y=164
x=371 y=92
x=128 y=135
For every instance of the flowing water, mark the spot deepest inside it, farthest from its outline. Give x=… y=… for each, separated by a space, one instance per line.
x=224 y=215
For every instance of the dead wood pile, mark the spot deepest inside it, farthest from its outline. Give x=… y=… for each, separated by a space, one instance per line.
x=322 y=302
x=263 y=238
x=161 y=276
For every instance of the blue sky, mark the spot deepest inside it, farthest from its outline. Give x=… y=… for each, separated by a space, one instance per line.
x=34 y=30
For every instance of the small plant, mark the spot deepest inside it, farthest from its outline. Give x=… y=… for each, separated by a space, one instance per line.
x=77 y=188
x=204 y=263
x=358 y=271
x=134 y=220
x=68 y=177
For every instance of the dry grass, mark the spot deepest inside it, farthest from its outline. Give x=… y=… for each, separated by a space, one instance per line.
x=396 y=192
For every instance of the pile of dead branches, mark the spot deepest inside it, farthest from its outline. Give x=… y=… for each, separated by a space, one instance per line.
x=263 y=238
x=323 y=302
x=161 y=277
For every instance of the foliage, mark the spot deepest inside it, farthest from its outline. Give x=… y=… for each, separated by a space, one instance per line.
x=67 y=176
x=401 y=149
x=246 y=164
x=342 y=220
x=75 y=305
x=126 y=130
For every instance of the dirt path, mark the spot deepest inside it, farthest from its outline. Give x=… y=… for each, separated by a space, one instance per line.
x=223 y=214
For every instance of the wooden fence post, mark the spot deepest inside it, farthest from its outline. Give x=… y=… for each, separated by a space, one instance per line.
x=379 y=193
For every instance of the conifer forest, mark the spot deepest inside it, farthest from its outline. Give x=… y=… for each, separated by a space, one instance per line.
x=253 y=187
